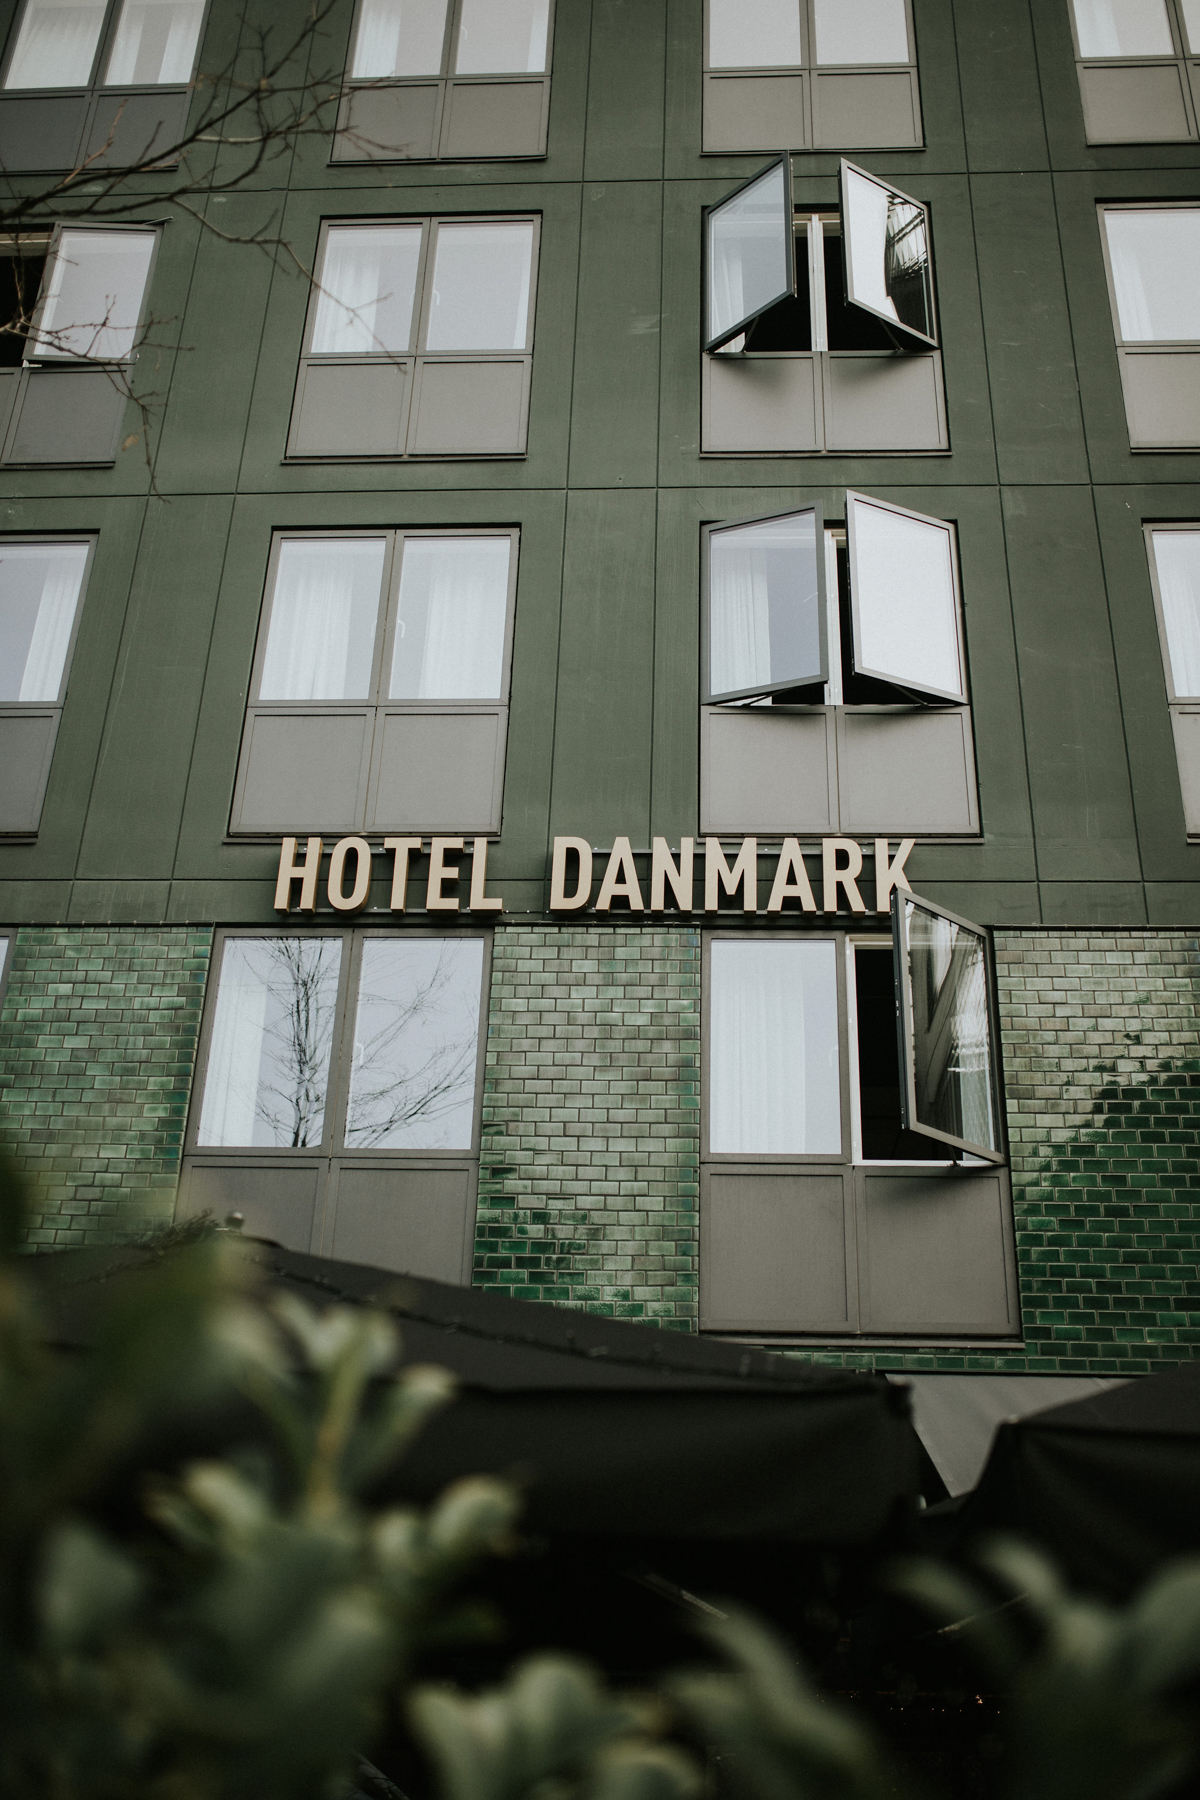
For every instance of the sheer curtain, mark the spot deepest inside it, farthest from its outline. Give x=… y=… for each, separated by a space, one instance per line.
x=459 y=591
x=1155 y=256
x=1177 y=560
x=56 y=45
x=368 y=284
x=235 y=1056
x=774 y=1085
x=739 y=617
x=155 y=42
x=323 y=617
x=399 y=37
x=52 y=630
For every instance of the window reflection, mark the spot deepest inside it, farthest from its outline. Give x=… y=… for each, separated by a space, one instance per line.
x=750 y=253
x=952 y=1058
x=416 y=1028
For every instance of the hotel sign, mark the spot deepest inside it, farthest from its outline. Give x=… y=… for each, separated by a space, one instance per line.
x=695 y=876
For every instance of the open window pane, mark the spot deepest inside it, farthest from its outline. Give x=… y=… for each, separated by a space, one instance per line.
x=1123 y=27
x=774 y=1082
x=860 y=31
x=502 y=37
x=56 y=45
x=268 y=1061
x=321 y=642
x=885 y=242
x=398 y=37
x=449 y=642
x=94 y=299
x=39 y=594
x=155 y=43
x=481 y=279
x=1155 y=258
x=416 y=1036
x=754 y=34
x=1177 y=564
x=946 y=1037
x=368 y=283
x=904 y=599
x=766 y=606
x=751 y=255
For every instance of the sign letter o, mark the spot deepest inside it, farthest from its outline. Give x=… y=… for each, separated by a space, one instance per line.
x=356 y=899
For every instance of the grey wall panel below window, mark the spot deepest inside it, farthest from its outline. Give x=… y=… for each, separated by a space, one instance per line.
x=438 y=772
x=413 y=1220
x=755 y=112
x=303 y=771
x=388 y=123
x=66 y=416
x=495 y=118
x=907 y=772
x=1162 y=397
x=866 y=110
x=775 y=1253
x=762 y=403
x=277 y=1201
x=880 y=402
x=767 y=771
x=41 y=133
x=470 y=408
x=26 y=747
x=351 y=409
x=1139 y=104
x=1186 y=726
x=935 y=1254
x=125 y=128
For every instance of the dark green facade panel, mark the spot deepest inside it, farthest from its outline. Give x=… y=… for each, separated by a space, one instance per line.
x=614 y=401
x=625 y=90
x=997 y=66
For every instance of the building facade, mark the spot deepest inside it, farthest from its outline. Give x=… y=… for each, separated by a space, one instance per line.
x=622 y=722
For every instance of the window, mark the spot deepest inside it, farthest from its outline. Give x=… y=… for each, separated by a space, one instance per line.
x=419 y=340
x=811 y=74
x=337 y=1094
x=83 y=293
x=853 y=1176
x=41 y=586
x=101 y=81
x=834 y=676
x=1174 y=554
x=379 y=699
x=7 y=945
x=1152 y=254
x=1139 y=69
x=446 y=78
x=820 y=330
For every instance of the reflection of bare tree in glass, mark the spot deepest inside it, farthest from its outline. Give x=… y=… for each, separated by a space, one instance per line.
x=297 y=1035
x=415 y=1046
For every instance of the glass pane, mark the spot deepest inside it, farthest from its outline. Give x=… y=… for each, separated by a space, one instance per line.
x=368 y=282
x=268 y=1063
x=951 y=1047
x=887 y=252
x=774 y=1087
x=1191 y=23
x=502 y=37
x=399 y=37
x=39 y=592
x=1177 y=560
x=905 y=604
x=416 y=1034
x=3 y=955
x=860 y=31
x=1123 y=27
x=450 y=626
x=95 y=296
x=750 y=253
x=323 y=617
x=1155 y=259
x=155 y=42
x=481 y=287
x=764 y=605
x=56 y=45
x=754 y=34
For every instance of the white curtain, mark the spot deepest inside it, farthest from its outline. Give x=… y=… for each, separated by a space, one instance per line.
x=235 y=1057
x=1177 y=560
x=398 y=38
x=51 y=632
x=1122 y=28
x=739 y=619
x=155 y=42
x=774 y=1086
x=368 y=282
x=323 y=619
x=1155 y=256
x=465 y=596
x=56 y=44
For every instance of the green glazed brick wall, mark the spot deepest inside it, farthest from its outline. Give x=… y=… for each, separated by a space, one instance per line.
x=588 y=1178
x=97 y=1042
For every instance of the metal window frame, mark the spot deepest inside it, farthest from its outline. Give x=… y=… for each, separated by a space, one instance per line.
x=1103 y=209
x=1175 y=26
x=907 y=337
x=922 y=692
x=807 y=44
x=783 y=161
x=49 y=538
x=875 y=943
x=32 y=358
x=808 y=504
x=444 y=72
x=95 y=85
x=8 y=938
x=905 y=1028
x=1179 y=528
x=308 y=354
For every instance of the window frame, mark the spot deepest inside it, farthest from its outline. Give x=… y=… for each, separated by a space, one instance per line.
x=50 y=709
x=1181 y=528
x=1144 y=346
x=807 y=9
x=8 y=937
x=32 y=360
x=907 y=337
x=924 y=694
x=784 y=161
x=807 y=504
x=94 y=85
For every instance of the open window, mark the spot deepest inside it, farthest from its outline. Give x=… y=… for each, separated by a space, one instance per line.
x=750 y=261
x=42 y=583
x=905 y=624
x=765 y=609
x=947 y=1038
x=885 y=250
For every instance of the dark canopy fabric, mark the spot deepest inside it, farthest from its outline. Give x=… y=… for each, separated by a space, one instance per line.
x=1110 y=1485
x=611 y=1428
